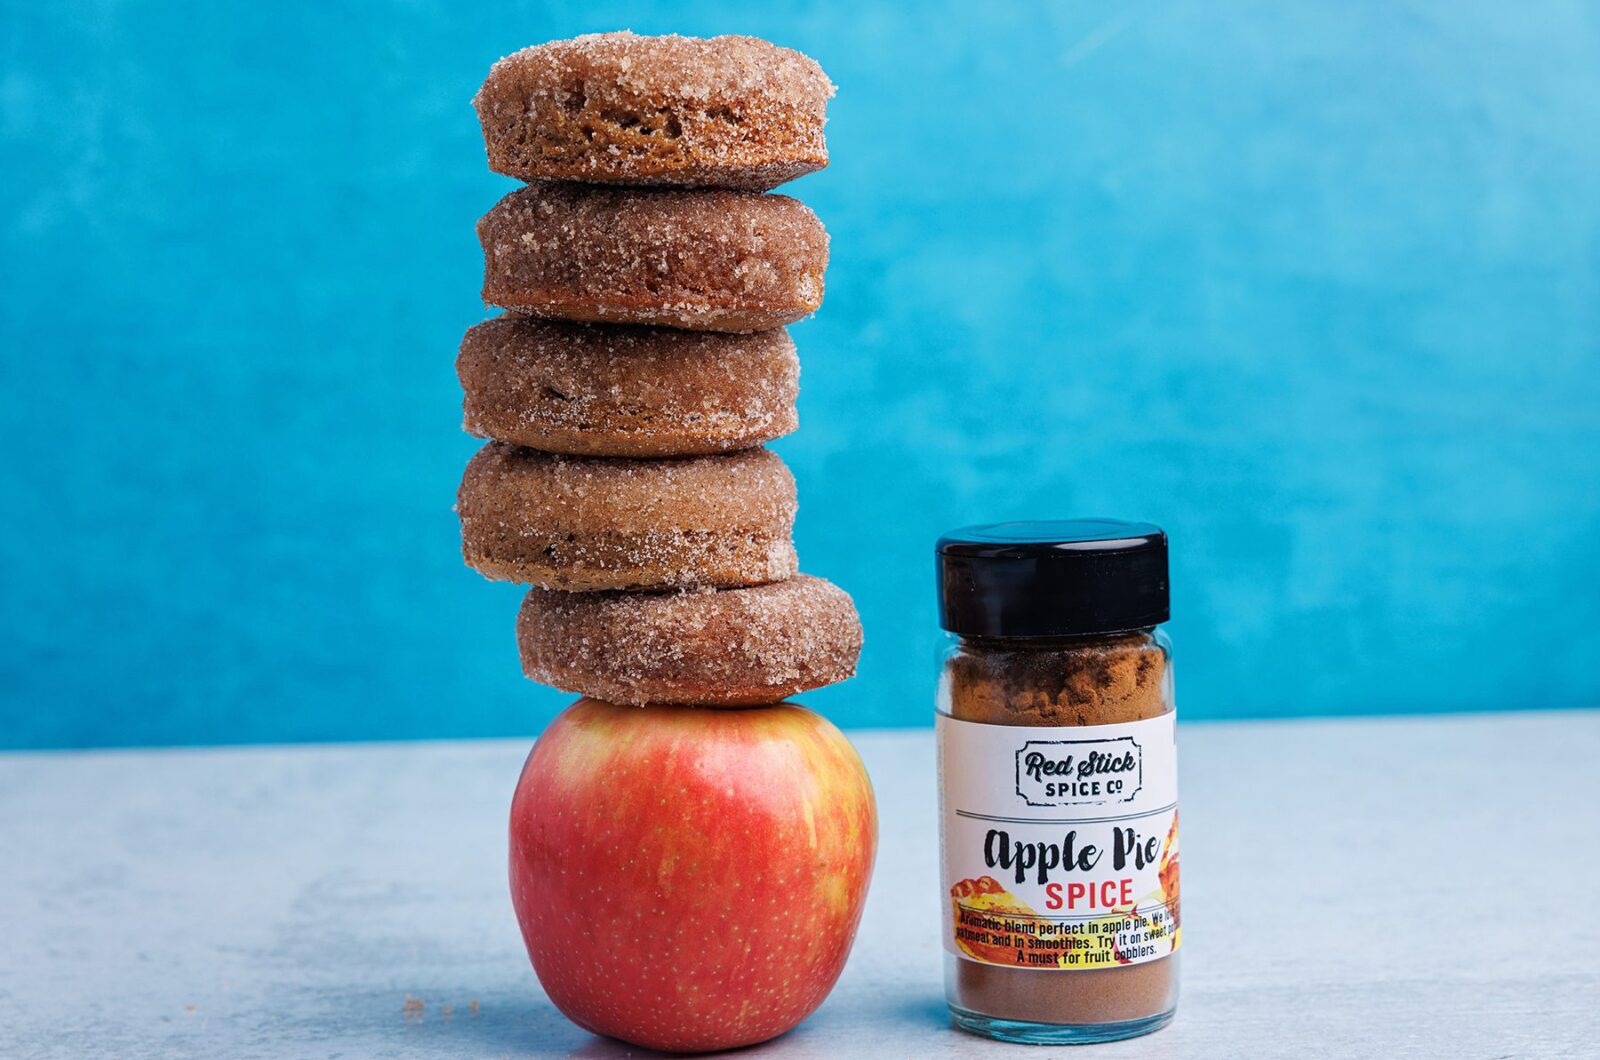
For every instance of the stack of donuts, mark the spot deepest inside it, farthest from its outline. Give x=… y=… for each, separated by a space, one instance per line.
x=641 y=364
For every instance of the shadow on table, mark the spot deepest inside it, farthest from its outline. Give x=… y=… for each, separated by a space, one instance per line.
x=460 y=1022
x=533 y=1027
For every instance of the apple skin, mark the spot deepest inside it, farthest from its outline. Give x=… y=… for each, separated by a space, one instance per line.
x=690 y=878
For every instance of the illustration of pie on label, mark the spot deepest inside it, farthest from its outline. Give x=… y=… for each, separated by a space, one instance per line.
x=1131 y=927
x=1169 y=879
x=982 y=932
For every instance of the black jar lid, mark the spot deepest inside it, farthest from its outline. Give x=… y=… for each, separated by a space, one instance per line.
x=1052 y=578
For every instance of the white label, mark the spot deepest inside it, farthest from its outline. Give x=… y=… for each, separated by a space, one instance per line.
x=1060 y=844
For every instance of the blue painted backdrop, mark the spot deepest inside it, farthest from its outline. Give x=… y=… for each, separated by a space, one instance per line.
x=1317 y=287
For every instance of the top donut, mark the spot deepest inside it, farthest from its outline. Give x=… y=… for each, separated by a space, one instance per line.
x=616 y=108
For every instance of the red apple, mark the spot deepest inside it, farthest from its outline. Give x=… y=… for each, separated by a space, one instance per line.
x=690 y=878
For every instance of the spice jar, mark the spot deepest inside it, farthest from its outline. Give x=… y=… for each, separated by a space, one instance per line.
x=1057 y=781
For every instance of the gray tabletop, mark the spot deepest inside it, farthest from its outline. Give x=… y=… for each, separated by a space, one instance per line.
x=1374 y=888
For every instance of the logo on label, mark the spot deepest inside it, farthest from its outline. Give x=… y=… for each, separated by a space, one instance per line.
x=1079 y=772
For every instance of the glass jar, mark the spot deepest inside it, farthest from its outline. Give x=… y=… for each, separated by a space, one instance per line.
x=1057 y=781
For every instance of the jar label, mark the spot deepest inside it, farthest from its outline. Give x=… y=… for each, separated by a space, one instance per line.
x=1060 y=844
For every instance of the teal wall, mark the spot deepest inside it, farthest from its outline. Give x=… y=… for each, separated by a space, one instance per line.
x=1314 y=286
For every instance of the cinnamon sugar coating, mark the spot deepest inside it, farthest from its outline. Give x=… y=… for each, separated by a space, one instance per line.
x=735 y=647
x=612 y=390
x=731 y=112
x=711 y=260
x=587 y=523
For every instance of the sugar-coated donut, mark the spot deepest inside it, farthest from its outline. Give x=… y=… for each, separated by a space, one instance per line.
x=732 y=112
x=584 y=523
x=734 y=647
x=615 y=390
x=704 y=260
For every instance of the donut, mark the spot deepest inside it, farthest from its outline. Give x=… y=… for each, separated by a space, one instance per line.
x=584 y=523
x=727 y=648
x=614 y=390
x=704 y=260
x=729 y=112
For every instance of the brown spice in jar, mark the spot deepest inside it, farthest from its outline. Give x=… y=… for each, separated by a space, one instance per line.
x=1084 y=681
